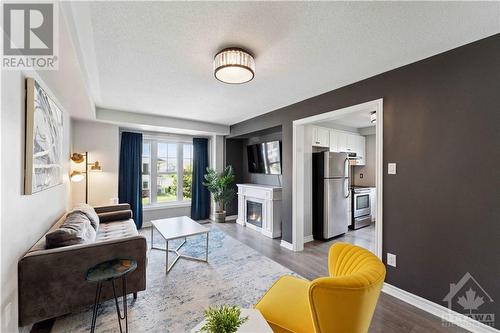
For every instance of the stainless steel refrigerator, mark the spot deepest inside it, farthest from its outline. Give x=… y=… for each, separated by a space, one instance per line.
x=331 y=194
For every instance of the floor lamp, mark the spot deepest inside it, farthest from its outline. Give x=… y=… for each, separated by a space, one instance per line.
x=78 y=176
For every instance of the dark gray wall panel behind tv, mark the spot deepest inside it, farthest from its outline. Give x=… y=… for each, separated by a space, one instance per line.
x=441 y=125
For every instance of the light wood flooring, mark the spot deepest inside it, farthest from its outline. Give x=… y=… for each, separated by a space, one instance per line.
x=391 y=314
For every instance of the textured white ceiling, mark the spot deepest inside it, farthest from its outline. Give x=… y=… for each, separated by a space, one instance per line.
x=156 y=57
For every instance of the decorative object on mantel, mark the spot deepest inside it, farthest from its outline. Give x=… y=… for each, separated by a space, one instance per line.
x=234 y=66
x=259 y=208
x=44 y=140
x=78 y=176
x=223 y=318
x=222 y=188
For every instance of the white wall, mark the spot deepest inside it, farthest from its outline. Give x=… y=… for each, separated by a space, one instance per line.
x=24 y=218
x=369 y=169
x=101 y=141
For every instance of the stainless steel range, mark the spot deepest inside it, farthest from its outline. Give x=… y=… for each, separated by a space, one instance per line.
x=361 y=210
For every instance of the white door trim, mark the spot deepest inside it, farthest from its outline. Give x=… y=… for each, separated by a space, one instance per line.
x=298 y=176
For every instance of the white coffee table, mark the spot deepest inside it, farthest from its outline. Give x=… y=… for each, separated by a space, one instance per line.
x=256 y=323
x=177 y=228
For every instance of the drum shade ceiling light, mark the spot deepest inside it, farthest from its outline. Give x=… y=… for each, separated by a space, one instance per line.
x=234 y=66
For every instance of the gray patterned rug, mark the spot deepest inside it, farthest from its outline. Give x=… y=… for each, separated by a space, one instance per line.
x=235 y=275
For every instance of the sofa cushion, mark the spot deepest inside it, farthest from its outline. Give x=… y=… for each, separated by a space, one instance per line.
x=118 y=215
x=89 y=212
x=76 y=229
x=116 y=230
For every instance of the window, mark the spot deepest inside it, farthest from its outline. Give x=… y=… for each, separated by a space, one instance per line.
x=166 y=168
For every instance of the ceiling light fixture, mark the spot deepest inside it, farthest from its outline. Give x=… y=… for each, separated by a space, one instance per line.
x=373 y=117
x=234 y=66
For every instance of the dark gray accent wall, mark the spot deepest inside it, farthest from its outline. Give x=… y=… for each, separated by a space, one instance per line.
x=441 y=126
x=259 y=178
x=233 y=157
x=236 y=156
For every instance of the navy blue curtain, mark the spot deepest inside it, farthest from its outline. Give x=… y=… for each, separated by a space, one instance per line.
x=200 y=197
x=130 y=176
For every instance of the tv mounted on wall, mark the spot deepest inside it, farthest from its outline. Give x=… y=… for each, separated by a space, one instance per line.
x=265 y=158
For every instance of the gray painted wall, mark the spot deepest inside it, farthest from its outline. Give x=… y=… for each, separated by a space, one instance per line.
x=259 y=178
x=442 y=127
x=233 y=157
x=236 y=155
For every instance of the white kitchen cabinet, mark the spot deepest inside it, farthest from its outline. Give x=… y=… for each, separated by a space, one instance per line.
x=342 y=142
x=357 y=144
x=320 y=137
x=346 y=142
x=334 y=141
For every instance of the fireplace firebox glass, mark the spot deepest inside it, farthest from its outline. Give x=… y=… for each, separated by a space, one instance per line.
x=254 y=213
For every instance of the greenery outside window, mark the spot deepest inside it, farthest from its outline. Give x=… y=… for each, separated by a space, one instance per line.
x=166 y=172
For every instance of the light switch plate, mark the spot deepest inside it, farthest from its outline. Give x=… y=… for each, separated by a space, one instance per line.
x=391 y=168
x=391 y=259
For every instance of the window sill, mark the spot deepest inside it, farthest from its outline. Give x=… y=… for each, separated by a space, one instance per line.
x=167 y=205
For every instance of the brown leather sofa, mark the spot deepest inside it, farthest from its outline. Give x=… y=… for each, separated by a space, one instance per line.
x=52 y=281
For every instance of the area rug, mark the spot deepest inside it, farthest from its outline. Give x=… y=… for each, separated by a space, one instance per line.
x=235 y=275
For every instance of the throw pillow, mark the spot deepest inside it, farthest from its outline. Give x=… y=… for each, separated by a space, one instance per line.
x=89 y=211
x=76 y=229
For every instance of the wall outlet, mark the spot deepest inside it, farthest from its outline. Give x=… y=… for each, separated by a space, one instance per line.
x=361 y=176
x=391 y=168
x=391 y=259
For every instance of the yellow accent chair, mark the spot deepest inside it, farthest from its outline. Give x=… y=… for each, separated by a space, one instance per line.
x=344 y=302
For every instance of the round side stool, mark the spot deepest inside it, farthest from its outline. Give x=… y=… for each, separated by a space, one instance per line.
x=110 y=271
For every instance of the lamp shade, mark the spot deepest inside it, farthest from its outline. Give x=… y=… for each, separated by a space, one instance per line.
x=76 y=176
x=77 y=157
x=96 y=166
x=234 y=66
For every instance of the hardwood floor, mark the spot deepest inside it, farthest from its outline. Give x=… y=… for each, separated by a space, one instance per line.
x=391 y=314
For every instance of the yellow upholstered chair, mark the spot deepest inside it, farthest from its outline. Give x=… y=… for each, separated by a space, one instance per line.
x=344 y=302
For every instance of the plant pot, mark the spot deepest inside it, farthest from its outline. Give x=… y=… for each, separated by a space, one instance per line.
x=220 y=216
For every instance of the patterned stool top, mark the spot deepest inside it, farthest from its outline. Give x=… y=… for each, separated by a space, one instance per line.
x=111 y=269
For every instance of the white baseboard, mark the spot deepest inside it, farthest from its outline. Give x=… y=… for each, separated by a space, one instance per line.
x=308 y=239
x=438 y=310
x=286 y=245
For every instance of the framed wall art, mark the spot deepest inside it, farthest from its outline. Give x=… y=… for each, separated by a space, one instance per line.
x=44 y=140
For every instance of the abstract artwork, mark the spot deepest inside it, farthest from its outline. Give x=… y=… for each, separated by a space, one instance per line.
x=44 y=140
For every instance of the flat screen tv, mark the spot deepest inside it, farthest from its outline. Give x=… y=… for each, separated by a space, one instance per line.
x=265 y=158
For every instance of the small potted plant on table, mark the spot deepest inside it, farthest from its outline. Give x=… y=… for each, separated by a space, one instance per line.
x=222 y=188
x=223 y=319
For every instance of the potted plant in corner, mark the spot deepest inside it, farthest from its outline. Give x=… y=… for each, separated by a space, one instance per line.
x=222 y=188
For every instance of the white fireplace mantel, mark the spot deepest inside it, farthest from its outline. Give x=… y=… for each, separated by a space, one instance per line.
x=270 y=198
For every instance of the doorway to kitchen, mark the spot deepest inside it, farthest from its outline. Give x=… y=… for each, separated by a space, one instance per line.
x=337 y=175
